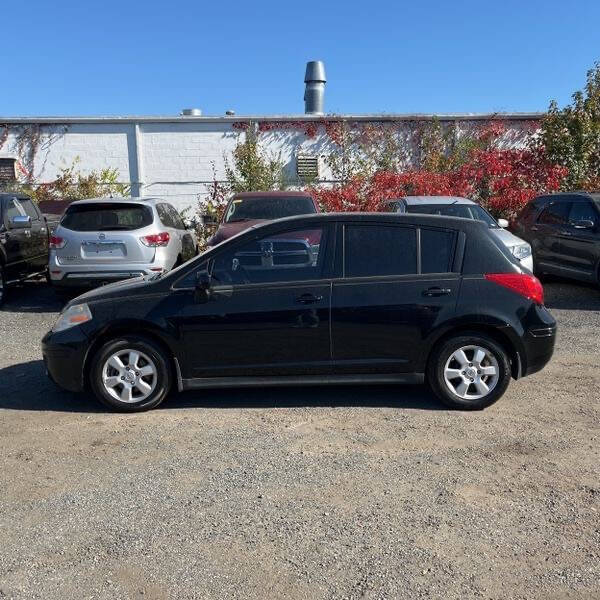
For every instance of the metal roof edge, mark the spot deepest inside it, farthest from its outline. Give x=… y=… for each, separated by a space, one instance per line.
x=64 y=120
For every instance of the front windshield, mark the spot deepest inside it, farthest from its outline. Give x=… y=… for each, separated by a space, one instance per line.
x=464 y=211
x=268 y=208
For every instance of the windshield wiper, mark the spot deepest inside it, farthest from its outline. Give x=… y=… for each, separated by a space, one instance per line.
x=240 y=220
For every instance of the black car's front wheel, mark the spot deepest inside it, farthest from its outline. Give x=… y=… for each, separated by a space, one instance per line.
x=130 y=374
x=469 y=371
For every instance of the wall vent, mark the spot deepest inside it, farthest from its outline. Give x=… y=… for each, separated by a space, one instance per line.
x=8 y=169
x=307 y=166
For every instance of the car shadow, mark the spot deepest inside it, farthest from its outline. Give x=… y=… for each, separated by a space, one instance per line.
x=568 y=295
x=25 y=386
x=31 y=297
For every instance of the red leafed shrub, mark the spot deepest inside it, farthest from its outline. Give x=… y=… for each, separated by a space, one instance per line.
x=501 y=180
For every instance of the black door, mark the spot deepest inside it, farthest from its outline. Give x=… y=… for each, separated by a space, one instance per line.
x=38 y=237
x=580 y=242
x=268 y=312
x=391 y=296
x=15 y=241
x=546 y=236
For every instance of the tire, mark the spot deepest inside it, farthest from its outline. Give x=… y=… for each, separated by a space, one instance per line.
x=2 y=286
x=458 y=384
x=132 y=390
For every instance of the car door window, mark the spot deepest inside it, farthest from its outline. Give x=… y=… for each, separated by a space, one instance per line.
x=437 y=250
x=175 y=217
x=294 y=255
x=165 y=217
x=29 y=208
x=582 y=211
x=13 y=208
x=379 y=250
x=556 y=214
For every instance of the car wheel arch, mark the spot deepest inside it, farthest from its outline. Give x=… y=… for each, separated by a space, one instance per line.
x=137 y=328
x=492 y=331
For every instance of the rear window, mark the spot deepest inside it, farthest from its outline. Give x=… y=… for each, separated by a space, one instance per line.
x=464 y=211
x=269 y=208
x=437 y=249
x=107 y=217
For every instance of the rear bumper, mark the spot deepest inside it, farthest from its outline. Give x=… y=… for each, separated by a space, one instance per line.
x=82 y=276
x=539 y=348
x=64 y=358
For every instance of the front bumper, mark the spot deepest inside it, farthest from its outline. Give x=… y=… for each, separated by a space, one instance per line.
x=64 y=357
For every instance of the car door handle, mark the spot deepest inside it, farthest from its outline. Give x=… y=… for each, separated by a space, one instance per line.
x=437 y=291
x=535 y=228
x=308 y=299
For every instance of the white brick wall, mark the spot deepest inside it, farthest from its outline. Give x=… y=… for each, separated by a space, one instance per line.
x=176 y=156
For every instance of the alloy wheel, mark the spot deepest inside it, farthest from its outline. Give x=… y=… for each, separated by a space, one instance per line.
x=129 y=376
x=471 y=372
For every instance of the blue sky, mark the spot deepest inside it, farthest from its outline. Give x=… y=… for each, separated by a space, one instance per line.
x=74 y=57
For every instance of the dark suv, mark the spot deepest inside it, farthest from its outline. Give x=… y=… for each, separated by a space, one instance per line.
x=23 y=240
x=336 y=298
x=564 y=233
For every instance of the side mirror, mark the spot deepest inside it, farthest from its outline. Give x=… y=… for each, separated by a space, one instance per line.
x=20 y=222
x=202 y=293
x=583 y=224
x=503 y=223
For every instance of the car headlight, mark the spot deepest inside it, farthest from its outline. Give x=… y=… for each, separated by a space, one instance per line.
x=522 y=251
x=74 y=315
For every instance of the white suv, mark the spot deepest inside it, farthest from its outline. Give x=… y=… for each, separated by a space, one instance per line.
x=103 y=240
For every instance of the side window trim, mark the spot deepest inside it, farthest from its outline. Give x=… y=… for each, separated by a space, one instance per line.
x=456 y=252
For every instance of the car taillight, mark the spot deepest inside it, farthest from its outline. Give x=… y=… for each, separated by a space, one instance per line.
x=156 y=239
x=57 y=242
x=527 y=286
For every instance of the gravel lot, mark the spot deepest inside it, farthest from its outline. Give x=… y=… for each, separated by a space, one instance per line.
x=343 y=492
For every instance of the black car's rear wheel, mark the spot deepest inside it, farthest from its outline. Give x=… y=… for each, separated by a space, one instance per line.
x=130 y=374
x=470 y=371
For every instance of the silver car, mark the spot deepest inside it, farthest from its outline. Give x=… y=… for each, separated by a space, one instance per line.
x=102 y=240
x=454 y=206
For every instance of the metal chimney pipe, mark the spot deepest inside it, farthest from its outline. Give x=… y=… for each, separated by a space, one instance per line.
x=314 y=92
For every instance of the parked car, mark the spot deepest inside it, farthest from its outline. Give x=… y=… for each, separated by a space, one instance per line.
x=451 y=206
x=251 y=208
x=564 y=232
x=104 y=240
x=335 y=298
x=23 y=240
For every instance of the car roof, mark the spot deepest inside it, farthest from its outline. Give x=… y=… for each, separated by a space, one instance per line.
x=440 y=200
x=274 y=194
x=557 y=195
x=382 y=217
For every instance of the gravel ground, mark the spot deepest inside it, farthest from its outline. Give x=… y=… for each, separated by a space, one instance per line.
x=344 y=492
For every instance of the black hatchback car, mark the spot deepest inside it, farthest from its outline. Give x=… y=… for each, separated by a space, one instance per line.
x=337 y=298
x=564 y=233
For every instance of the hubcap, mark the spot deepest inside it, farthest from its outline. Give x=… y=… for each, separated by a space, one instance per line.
x=129 y=376
x=471 y=372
